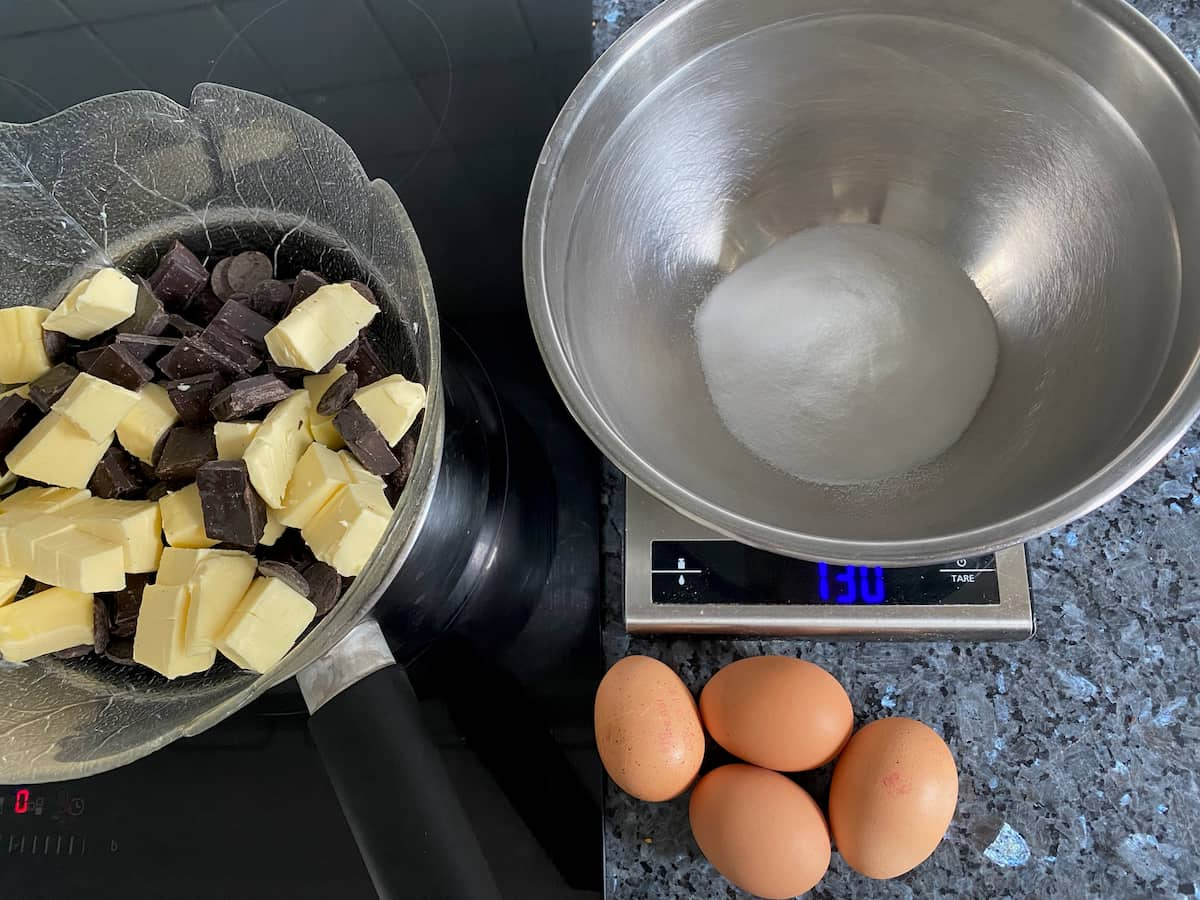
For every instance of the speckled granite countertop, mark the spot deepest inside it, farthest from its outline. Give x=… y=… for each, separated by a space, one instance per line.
x=1078 y=749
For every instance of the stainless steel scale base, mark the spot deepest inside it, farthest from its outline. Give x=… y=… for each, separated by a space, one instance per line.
x=1009 y=615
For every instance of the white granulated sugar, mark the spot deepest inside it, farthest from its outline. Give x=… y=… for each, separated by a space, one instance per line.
x=847 y=353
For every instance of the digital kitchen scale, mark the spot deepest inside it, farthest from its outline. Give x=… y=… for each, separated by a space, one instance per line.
x=682 y=577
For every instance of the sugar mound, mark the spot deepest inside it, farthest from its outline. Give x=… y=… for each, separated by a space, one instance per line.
x=847 y=353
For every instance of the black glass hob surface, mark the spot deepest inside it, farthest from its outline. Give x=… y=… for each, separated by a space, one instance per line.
x=449 y=101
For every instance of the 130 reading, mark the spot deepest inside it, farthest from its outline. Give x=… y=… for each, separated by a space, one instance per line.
x=850 y=584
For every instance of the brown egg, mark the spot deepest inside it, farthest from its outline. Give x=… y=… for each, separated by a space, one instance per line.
x=647 y=729
x=893 y=795
x=760 y=830
x=777 y=712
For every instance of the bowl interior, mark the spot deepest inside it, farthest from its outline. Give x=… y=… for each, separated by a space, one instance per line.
x=113 y=181
x=1066 y=201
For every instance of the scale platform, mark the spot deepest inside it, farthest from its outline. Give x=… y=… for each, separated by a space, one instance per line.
x=682 y=577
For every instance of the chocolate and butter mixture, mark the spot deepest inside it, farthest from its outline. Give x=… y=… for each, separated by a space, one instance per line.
x=194 y=463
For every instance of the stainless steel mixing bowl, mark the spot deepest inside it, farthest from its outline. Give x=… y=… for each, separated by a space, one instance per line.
x=1048 y=147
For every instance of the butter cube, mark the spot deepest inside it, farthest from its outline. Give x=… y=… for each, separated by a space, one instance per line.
x=45 y=500
x=265 y=625
x=151 y=417
x=158 y=642
x=315 y=480
x=56 y=451
x=94 y=305
x=347 y=529
x=392 y=403
x=24 y=358
x=277 y=447
x=7 y=482
x=17 y=529
x=52 y=550
x=95 y=405
x=217 y=586
x=274 y=530
x=183 y=520
x=178 y=563
x=323 y=429
x=319 y=327
x=234 y=437
x=78 y=561
x=10 y=582
x=358 y=474
x=21 y=390
x=49 y=621
x=133 y=525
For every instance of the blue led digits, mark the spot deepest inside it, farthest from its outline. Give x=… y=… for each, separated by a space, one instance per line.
x=871 y=584
x=855 y=583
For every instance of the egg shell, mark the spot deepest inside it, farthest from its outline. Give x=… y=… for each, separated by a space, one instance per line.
x=777 y=712
x=893 y=795
x=648 y=729
x=760 y=830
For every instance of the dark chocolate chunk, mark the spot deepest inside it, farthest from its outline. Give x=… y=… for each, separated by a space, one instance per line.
x=17 y=416
x=244 y=397
x=119 y=365
x=148 y=348
x=247 y=270
x=73 y=652
x=55 y=343
x=229 y=355
x=191 y=396
x=118 y=475
x=219 y=281
x=406 y=452
x=45 y=391
x=337 y=395
x=365 y=441
x=29 y=587
x=366 y=363
x=324 y=586
x=179 y=276
x=238 y=322
x=85 y=359
x=187 y=359
x=148 y=317
x=271 y=299
x=342 y=357
x=365 y=292
x=290 y=549
x=160 y=489
x=305 y=285
x=270 y=568
x=125 y=604
x=100 y=629
x=203 y=307
x=120 y=651
x=291 y=376
x=182 y=326
x=233 y=511
x=188 y=447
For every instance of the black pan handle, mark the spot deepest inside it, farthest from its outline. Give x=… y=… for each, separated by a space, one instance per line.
x=411 y=829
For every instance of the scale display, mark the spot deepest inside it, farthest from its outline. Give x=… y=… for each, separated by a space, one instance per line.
x=703 y=572
x=683 y=578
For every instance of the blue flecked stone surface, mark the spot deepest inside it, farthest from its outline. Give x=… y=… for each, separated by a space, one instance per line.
x=1078 y=750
